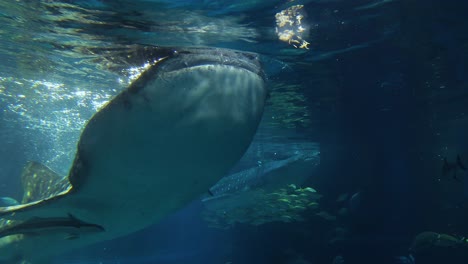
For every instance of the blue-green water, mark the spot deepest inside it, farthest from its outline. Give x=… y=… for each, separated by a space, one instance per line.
x=374 y=91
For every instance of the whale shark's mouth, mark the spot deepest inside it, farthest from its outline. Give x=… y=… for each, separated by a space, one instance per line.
x=169 y=60
x=133 y=60
x=204 y=56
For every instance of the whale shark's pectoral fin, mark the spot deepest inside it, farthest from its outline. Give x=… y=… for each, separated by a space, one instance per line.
x=32 y=209
x=40 y=182
x=41 y=186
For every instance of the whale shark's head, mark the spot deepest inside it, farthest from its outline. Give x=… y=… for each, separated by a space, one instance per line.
x=200 y=72
x=196 y=89
x=180 y=87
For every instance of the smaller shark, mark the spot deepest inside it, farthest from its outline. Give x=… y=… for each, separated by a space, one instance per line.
x=453 y=167
x=69 y=226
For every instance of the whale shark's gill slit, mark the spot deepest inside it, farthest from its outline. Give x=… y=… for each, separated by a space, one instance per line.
x=37 y=226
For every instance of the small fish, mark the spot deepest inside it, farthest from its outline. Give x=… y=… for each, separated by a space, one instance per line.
x=298 y=207
x=308 y=189
x=450 y=167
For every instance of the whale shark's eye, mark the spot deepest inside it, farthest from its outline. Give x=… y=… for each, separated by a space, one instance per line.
x=249 y=56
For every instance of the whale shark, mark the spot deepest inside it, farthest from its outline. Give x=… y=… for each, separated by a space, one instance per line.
x=269 y=176
x=266 y=193
x=159 y=144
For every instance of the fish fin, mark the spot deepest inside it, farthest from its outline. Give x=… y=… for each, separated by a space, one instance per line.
x=40 y=182
x=77 y=222
x=210 y=193
x=460 y=164
x=72 y=217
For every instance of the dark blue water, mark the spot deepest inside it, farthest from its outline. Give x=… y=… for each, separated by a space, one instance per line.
x=382 y=90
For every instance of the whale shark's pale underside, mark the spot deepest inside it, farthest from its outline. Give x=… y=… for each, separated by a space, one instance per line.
x=155 y=147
